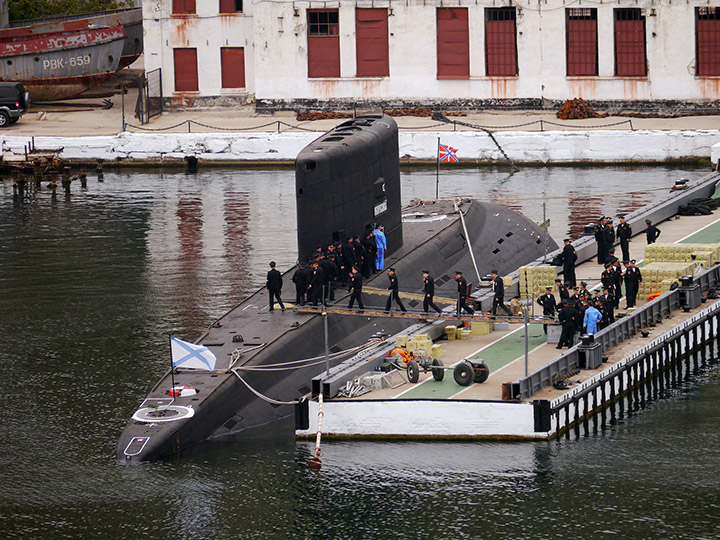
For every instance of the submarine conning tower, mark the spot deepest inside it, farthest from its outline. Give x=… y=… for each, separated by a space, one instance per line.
x=348 y=180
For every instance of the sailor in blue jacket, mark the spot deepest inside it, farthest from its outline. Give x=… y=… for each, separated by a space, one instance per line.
x=381 y=242
x=591 y=320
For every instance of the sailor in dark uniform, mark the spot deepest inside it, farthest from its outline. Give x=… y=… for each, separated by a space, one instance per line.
x=394 y=290
x=315 y=284
x=429 y=290
x=566 y=317
x=356 y=288
x=462 y=294
x=300 y=279
x=600 y=240
x=549 y=305
x=274 y=286
x=609 y=233
x=633 y=278
x=624 y=234
x=617 y=276
x=368 y=244
x=607 y=278
x=562 y=289
x=499 y=294
x=651 y=233
x=568 y=258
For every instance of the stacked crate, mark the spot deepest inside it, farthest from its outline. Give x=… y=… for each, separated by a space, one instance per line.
x=707 y=254
x=534 y=279
x=420 y=345
x=658 y=276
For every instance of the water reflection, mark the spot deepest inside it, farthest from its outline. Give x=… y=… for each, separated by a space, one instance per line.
x=90 y=284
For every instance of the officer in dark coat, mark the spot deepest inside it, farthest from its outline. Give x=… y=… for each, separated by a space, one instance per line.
x=624 y=234
x=549 y=305
x=370 y=247
x=394 y=290
x=609 y=233
x=300 y=279
x=651 y=233
x=274 y=286
x=568 y=258
x=315 y=284
x=600 y=240
x=562 y=289
x=330 y=276
x=429 y=290
x=499 y=294
x=356 y=288
x=567 y=317
x=633 y=278
x=617 y=283
x=462 y=294
x=607 y=278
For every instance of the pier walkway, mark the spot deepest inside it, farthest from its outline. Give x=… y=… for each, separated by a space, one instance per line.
x=503 y=351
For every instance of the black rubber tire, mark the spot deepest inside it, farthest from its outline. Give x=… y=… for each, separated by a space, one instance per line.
x=438 y=374
x=463 y=374
x=4 y=119
x=413 y=371
x=482 y=372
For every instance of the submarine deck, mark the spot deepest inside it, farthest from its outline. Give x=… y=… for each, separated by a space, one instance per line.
x=503 y=350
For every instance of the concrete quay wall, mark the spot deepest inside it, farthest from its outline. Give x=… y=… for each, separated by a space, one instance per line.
x=606 y=146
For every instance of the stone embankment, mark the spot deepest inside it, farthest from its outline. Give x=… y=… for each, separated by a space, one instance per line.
x=247 y=147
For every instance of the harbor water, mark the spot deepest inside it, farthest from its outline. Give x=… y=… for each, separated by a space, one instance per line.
x=92 y=283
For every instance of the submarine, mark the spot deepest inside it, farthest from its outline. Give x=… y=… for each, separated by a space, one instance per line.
x=347 y=181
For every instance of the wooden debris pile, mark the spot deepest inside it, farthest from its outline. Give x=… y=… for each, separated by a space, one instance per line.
x=424 y=112
x=322 y=115
x=578 y=109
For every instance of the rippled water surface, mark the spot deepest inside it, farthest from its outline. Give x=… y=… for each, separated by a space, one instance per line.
x=91 y=283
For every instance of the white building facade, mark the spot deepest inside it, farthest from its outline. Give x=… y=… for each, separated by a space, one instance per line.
x=462 y=54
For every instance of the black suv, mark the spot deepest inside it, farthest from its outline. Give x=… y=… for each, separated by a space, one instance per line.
x=14 y=102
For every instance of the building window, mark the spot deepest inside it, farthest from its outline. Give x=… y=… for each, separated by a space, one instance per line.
x=371 y=30
x=707 y=41
x=581 y=40
x=186 y=70
x=500 y=42
x=630 y=60
x=323 y=22
x=183 y=7
x=231 y=6
x=323 y=43
x=453 y=44
x=232 y=65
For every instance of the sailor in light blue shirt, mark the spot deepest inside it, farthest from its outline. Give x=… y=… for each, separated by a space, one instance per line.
x=381 y=245
x=592 y=318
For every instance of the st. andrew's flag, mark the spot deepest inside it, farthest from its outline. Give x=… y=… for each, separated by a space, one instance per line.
x=447 y=153
x=191 y=356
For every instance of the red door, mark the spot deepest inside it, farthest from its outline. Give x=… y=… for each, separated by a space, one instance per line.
x=453 y=44
x=183 y=7
x=232 y=60
x=186 y=70
x=323 y=43
x=708 y=41
x=582 y=42
x=500 y=44
x=371 y=28
x=630 y=43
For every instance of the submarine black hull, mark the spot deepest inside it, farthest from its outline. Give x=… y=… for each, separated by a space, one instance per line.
x=266 y=360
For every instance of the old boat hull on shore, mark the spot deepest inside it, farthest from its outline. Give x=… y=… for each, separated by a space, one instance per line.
x=57 y=66
x=129 y=19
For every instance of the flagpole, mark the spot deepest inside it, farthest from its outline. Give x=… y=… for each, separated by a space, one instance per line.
x=437 y=172
x=172 y=367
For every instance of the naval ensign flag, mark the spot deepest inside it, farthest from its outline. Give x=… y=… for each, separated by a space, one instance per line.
x=191 y=356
